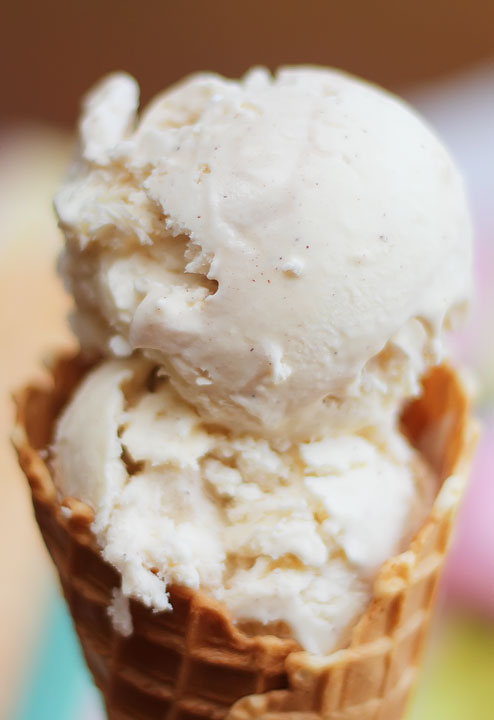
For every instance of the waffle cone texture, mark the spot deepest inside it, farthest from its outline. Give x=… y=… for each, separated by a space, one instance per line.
x=193 y=663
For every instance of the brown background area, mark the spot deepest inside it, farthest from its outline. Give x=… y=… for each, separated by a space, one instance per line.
x=51 y=51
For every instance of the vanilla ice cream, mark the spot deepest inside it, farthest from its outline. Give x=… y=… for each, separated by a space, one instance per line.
x=290 y=249
x=290 y=539
x=267 y=268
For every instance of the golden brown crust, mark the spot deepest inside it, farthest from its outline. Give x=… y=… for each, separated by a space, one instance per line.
x=194 y=663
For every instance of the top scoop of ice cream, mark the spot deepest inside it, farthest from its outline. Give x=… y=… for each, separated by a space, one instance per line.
x=290 y=249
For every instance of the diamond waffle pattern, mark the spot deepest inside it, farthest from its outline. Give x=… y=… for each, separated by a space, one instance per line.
x=193 y=664
x=184 y=664
x=371 y=679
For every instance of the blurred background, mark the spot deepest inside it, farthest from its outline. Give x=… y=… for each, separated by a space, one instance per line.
x=437 y=53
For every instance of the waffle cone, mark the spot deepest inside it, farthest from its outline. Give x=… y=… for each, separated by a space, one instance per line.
x=193 y=663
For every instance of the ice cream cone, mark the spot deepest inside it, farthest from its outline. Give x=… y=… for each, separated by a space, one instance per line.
x=194 y=663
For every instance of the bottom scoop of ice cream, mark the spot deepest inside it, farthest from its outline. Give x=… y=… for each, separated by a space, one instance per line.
x=290 y=249
x=288 y=539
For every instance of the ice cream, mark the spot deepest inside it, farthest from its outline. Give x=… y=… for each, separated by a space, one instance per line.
x=287 y=538
x=267 y=267
x=289 y=249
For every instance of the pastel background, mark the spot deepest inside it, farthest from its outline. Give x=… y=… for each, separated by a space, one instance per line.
x=440 y=56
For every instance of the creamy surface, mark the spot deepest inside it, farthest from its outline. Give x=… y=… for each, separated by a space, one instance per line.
x=290 y=249
x=291 y=536
x=267 y=267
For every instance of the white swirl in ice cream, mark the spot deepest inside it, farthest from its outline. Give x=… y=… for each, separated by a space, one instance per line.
x=290 y=249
